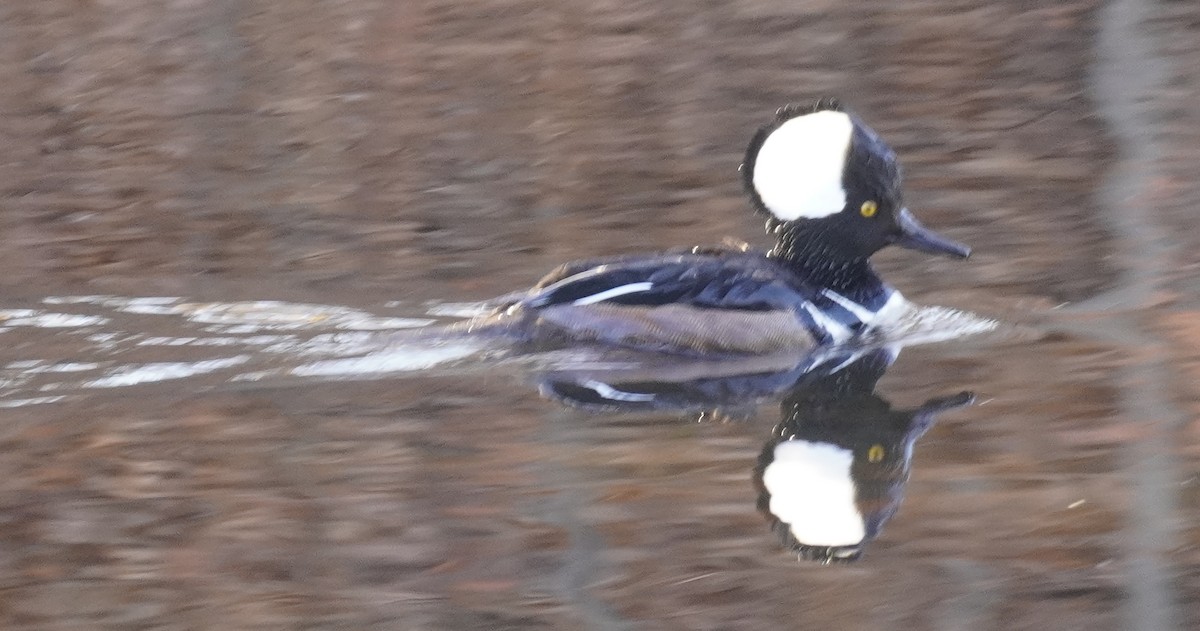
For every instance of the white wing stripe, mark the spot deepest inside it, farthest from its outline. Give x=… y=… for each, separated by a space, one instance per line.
x=631 y=288
x=612 y=394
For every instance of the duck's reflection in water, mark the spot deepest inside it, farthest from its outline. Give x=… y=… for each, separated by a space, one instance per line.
x=834 y=469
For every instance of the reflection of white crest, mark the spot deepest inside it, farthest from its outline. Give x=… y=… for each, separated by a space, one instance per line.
x=798 y=169
x=812 y=492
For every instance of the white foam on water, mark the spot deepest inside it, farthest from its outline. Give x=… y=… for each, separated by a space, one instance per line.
x=337 y=344
x=390 y=361
x=459 y=309
x=257 y=340
x=148 y=305
x=38 y=319
x=37 y=366
x=163 y=371
x=20 y=403
x=266 y=315
x=929 y=324
x=76 y=300
x=242 y=317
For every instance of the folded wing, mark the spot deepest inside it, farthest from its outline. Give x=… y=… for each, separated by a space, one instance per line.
x=731 y=281
x=728 y=302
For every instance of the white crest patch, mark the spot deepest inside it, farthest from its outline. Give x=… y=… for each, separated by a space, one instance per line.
x=798 y=169
x=812 y=492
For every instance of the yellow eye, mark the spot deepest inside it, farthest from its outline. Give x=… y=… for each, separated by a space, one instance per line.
x=869 y=208
x=875 y=453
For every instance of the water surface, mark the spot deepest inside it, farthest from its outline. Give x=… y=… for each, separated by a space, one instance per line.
x=194 y=192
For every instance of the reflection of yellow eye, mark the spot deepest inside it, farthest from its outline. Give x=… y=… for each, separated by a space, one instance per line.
x=868 y=208
x=875 y=453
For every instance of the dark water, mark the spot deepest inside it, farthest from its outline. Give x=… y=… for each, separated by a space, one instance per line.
x=353 y=160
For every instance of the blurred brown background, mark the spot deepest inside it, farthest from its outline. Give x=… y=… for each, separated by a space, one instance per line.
x=353 y=151
x=170 y=146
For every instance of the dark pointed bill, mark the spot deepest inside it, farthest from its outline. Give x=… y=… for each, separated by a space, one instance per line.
x=914 y=236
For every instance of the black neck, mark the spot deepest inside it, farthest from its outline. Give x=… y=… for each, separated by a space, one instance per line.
x=809 y=252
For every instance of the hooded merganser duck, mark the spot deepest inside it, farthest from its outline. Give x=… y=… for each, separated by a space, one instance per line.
x=831 y=189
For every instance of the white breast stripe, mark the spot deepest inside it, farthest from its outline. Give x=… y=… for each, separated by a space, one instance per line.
x=862 y=313
x=631 y=288
x=612 y=394
x=836 y=329
x=894 y=308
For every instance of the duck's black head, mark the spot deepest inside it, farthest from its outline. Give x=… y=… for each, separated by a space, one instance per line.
x=831 y=187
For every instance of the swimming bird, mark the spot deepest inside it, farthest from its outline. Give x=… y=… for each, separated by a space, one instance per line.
x=831 y=190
